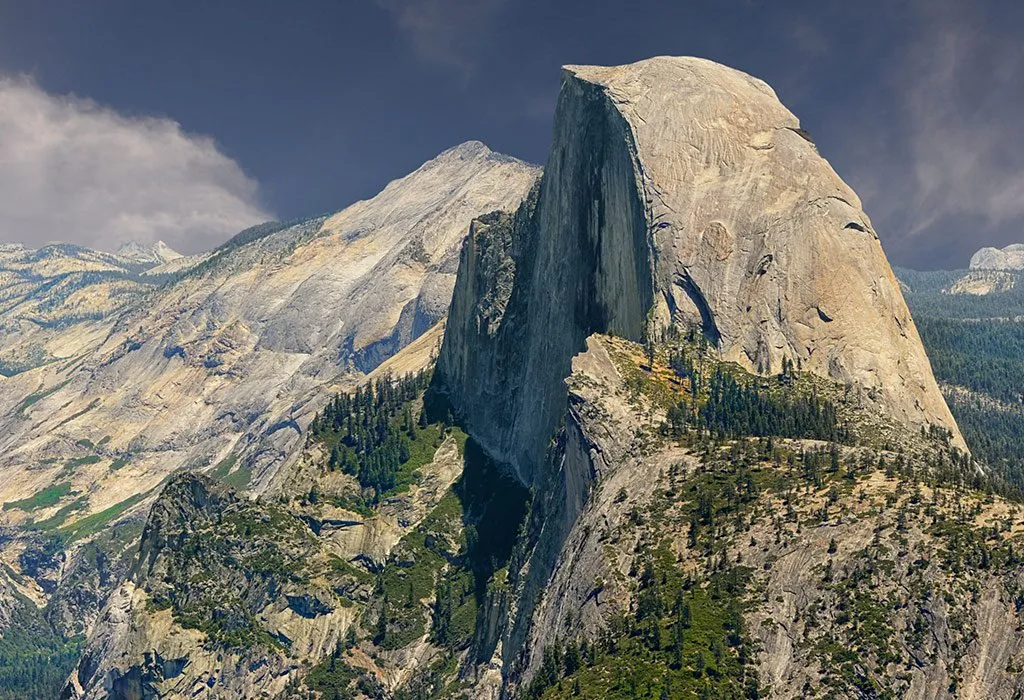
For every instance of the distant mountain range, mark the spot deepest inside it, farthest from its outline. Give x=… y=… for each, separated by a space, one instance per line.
x=124 y=368
x=1009 y=258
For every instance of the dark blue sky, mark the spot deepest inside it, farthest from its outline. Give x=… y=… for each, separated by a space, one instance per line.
x=915 y=103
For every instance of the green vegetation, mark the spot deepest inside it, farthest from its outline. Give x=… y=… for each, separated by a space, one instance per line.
x=411 y=578
x=977 y=342
x=926 y=297
x=226 y=472
x=91 y=524
x=235 y=557
x=49 y=496
x=34 y=659
x=984 y=356
x=335 y=679
x=723 y=400
x=38 y=396
x=735 y=409
x=440 y=572
x=58 y=518
x=82 y=461
x=684 y=638
x=372 y=434
x=223 y=468
x=239 y=478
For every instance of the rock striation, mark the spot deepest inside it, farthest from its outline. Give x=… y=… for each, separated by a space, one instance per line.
x=229 y=355
x=1009 y=258
x=983 y=282
x=212 y=363
x=677 y=190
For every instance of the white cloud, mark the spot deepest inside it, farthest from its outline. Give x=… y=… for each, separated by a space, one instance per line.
x=72 y=170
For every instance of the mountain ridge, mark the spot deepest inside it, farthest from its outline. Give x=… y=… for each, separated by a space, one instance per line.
x=655 y=422
x=218 y=365
x=1009 y=258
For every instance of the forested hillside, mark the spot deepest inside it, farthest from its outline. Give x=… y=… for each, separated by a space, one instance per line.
x=976 y=346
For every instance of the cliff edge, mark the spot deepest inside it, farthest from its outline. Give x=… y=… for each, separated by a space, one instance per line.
x=677 y=190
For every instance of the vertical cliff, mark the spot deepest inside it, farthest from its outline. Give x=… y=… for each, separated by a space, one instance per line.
x=575 y=259
x=676 y=190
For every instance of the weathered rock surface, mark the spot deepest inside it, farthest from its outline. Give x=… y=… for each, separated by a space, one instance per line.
x=214 y=362
x=224 y=598
x=881 y=583
x=983 y=282
x=235 y=598
x=60 y=299
x=677 y=190
x=1009 y=258
x=237 y=353
x=152 y=254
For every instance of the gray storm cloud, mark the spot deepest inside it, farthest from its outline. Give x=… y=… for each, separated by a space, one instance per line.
x=445 y=33
x=940 y=158
x=72 y=170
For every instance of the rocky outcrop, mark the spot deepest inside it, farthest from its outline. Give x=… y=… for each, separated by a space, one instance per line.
x=59 y=300
x=1009 y=258
x=235 y=354
x=223 y=598
x=213 y=363
x=677 y=190
x=871 y=583
x=984 y=282
x=148 y=254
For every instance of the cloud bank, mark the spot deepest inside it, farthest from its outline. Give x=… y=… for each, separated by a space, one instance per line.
x=72 y=170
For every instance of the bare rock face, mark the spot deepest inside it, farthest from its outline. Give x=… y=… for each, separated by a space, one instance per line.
x=678 y=190
x=983 y=282
x=202 y=609
x=150 y=254
x=215 y=364
x=236 y=352
x=1009 y=258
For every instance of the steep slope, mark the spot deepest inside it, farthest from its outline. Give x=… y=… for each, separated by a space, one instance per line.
x=59 y=300
x=227 y=356
x=680 y=190
x=679 y=194
x=727 y=553
x=239 y=597
x=712 y=513
x=222 y=367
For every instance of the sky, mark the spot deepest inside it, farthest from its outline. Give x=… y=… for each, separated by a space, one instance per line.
x=188 y=121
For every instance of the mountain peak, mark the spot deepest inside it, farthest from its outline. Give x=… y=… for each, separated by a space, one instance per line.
x=1009 y=258
x=155 y=253
x=678 y=192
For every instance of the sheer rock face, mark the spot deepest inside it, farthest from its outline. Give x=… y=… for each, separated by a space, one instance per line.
x=238 y=353
x=220 y=361
x=678 y=189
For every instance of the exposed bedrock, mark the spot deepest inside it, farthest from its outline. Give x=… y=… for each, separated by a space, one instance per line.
x=676 y=189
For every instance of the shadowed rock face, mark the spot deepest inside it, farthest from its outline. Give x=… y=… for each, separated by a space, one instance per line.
x=234 y=354
x=676 y=190
x=212 y=362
